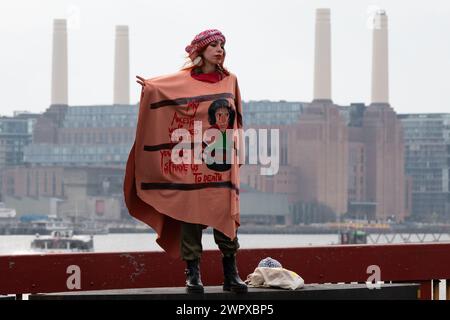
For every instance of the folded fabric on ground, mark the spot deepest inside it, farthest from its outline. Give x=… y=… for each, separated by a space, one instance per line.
x=275 y=277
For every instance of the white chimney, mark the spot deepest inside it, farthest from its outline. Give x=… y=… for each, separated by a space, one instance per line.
x=322 y=56
x=122 y=67
x=59 y=63
x=380 y=66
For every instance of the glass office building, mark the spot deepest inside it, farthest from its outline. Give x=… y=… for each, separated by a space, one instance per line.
x=427 y=161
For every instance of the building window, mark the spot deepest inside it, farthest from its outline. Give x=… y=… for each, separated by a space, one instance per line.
x=53 y=184
x=36 y=182
x=45 y=182
x=28 y=183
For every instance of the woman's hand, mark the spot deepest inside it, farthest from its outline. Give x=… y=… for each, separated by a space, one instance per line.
x=141 y=81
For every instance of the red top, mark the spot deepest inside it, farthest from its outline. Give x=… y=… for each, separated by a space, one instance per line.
x=211 y=77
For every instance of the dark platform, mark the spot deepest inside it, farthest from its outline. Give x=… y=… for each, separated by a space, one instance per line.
x=405 y=291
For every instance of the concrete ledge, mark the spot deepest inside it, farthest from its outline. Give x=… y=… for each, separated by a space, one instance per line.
x=404 y=291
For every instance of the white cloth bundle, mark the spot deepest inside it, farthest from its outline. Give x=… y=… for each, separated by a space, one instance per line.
x=275 y=277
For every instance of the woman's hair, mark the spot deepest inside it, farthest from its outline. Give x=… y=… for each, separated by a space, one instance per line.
x=217 y=104
x=189 y=64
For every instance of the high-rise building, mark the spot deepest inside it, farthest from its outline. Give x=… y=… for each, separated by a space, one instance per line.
x=427 y=162
x=15 y=134
x=84 y=136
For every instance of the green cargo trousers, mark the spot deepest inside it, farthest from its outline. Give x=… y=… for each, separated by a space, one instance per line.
x=191 y=242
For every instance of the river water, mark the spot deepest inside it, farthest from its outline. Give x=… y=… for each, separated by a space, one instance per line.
x=20 y=244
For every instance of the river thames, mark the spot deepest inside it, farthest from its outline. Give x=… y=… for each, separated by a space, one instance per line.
x=115 y=242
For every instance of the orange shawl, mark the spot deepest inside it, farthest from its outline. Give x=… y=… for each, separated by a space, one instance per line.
x=161 y=193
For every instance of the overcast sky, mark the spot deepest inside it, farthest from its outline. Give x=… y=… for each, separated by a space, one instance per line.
x=270 y=47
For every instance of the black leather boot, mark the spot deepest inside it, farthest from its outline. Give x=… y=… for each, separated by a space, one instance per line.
x=232 y=282
x=193 y=281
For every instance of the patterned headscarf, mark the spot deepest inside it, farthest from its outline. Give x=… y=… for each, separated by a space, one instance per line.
x=202 y=40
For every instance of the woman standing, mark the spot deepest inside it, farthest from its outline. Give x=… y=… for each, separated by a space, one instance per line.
x=179 y=200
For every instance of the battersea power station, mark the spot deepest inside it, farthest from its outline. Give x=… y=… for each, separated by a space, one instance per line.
x=337 y=160
x=334 y=161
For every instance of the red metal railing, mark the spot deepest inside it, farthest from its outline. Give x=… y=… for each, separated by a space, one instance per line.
x=419 y=263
